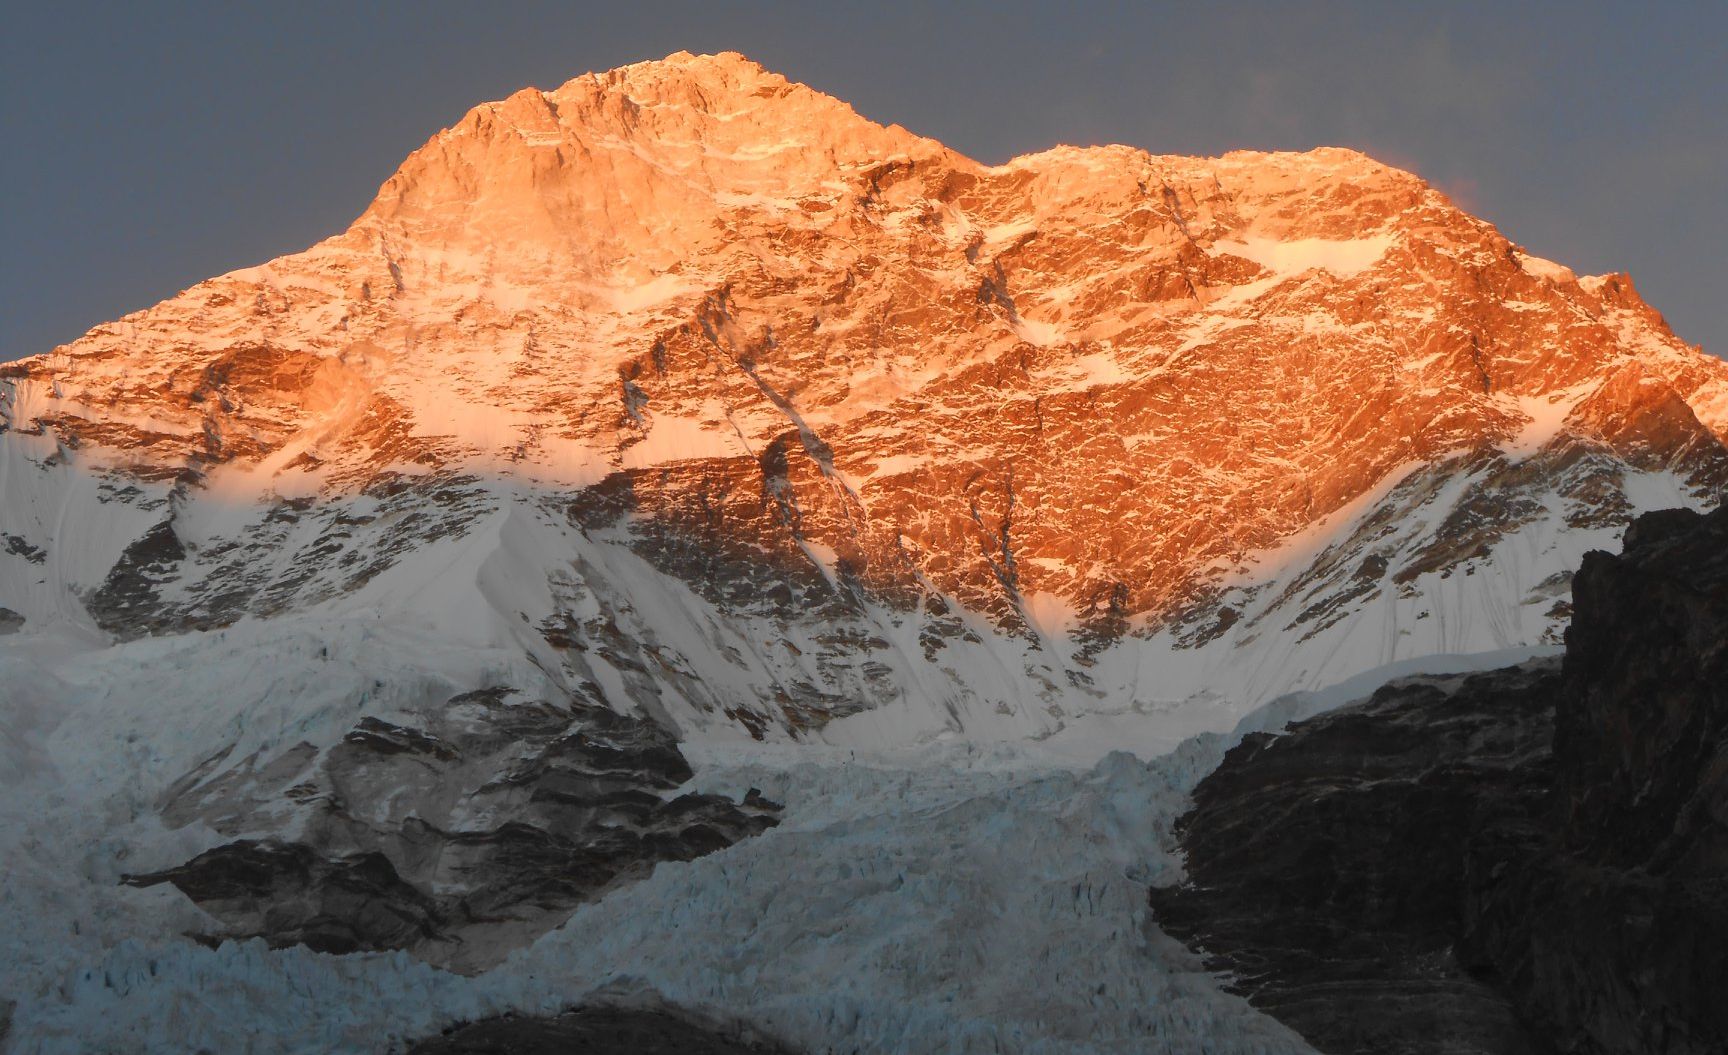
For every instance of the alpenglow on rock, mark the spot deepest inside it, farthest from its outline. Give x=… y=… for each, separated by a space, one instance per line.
x=687 y=391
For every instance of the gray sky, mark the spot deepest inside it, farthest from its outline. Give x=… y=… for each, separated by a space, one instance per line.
x=148 y=146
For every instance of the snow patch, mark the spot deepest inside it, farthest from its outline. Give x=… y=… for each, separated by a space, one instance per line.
x=1342 y=257
x=674 y=439
x=1544 y=416
x=1039 y=334
x=1545 y=269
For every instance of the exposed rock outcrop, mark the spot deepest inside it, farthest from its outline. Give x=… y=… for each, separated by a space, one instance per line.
x=597 y=1031
x=1611 y=930
x=1326 y=866
x=455 y=839
x=1527 y=860
x=291 y=894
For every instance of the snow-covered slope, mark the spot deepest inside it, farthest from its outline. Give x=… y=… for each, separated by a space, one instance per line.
x=685 y=391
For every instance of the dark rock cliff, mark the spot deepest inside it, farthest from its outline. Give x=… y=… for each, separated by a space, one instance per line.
x=1612 y=931
x=598 y=1031
x=1527 y=860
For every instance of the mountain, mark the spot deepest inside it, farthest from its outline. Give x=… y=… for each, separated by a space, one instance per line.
x=897 y=435
x=363 y=594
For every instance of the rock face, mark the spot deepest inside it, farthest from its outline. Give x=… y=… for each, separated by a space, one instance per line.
x=1644 y=722
x=292 y=895
x=594 y=1031
x=458 y=840
x=907 y=444
x=1612 y=933
x=1527 y=860
x=1327 y=866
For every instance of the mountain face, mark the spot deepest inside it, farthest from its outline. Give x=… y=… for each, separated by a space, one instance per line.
x=702 y=396
x=391 y=595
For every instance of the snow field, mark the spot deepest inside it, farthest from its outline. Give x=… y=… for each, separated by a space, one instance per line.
x=951 y=899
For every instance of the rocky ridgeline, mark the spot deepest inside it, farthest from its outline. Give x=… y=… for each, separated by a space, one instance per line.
x=1529 y=860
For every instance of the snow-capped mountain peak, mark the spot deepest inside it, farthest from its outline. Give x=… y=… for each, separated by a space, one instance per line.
x=698 y=394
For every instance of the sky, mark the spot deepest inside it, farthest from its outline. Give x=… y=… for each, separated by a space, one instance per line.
x=149 y=146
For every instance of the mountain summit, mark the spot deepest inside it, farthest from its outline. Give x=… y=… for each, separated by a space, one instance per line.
x=685 y=390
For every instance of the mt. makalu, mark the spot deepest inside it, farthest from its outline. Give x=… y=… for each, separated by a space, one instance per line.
x=681 y=408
